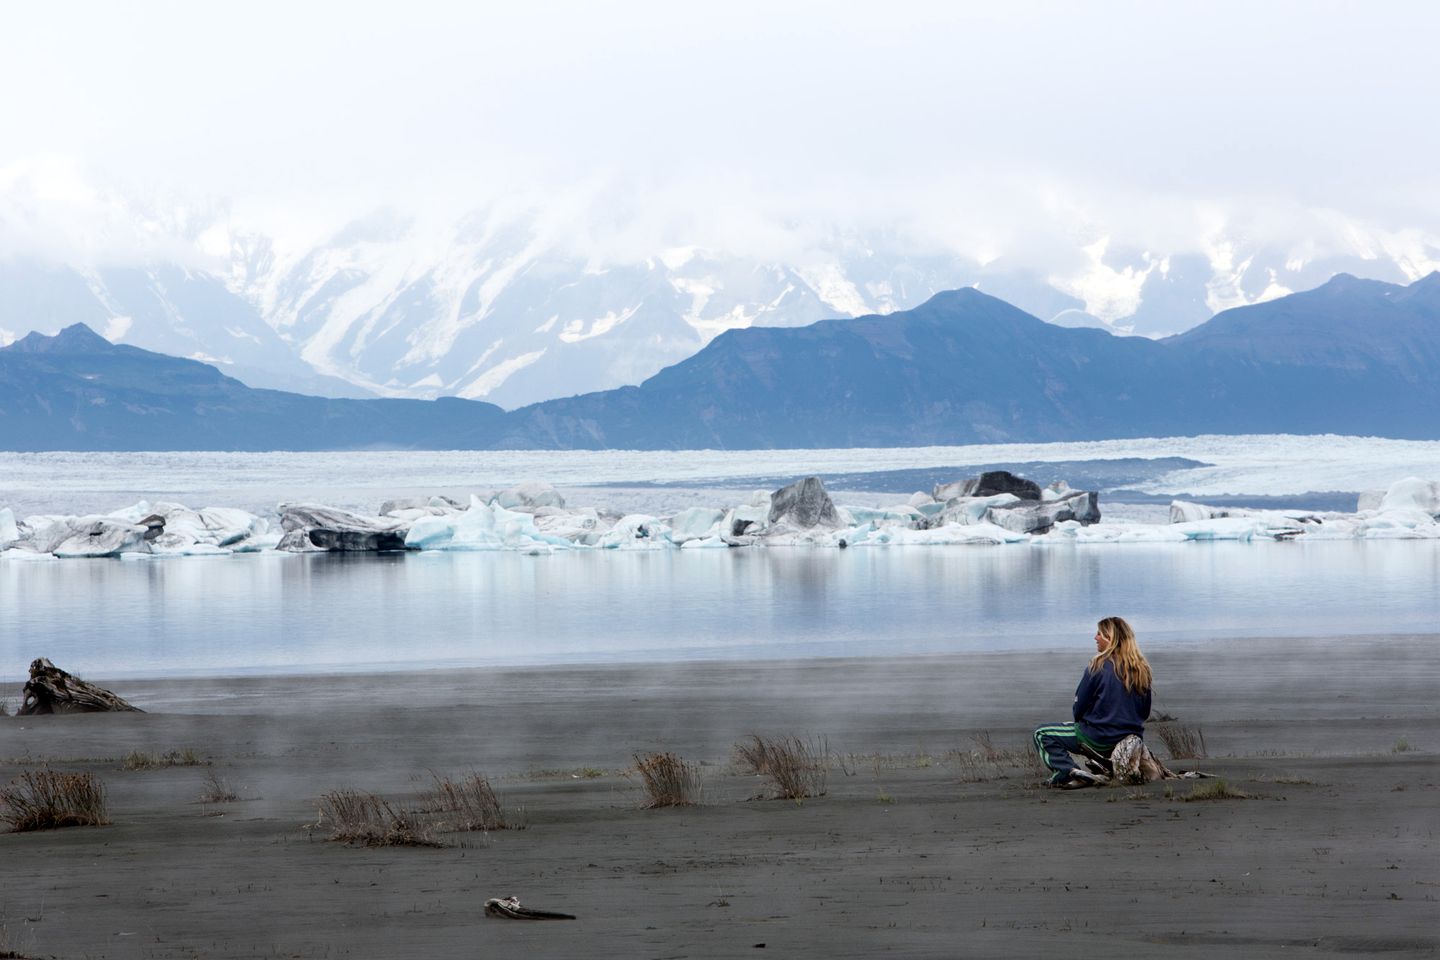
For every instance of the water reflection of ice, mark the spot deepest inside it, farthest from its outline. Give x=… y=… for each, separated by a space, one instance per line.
x=307 y=613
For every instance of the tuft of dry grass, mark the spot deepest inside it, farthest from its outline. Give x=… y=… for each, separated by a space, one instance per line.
x=986 y=746
x=1402 y=746
x=217 y=790
x=1183 y=741
x=135 y=760
x=46 y=799
x=1215 y=790
x=796 y=768
x=989 y=762
x=470 y=803
x=363 y=818
x=667 y=780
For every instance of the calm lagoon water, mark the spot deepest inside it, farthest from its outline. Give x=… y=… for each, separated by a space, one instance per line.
x=281 y=613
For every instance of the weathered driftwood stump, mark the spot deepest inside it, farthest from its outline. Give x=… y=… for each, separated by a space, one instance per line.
x=52 y=690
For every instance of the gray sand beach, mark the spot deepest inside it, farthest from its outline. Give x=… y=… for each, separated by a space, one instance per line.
x=920 y=847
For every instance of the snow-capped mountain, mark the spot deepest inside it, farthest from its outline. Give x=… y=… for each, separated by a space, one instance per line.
x=164 y=307
x=1357 y=357
x=508 y=307
x=497 y=310
x=501 y=309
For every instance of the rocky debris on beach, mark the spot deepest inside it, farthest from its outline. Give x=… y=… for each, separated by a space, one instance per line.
x=52 y=690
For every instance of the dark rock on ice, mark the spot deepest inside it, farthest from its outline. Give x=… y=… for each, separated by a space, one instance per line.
x=313 y=527
x=102 y=537
x=1025 y=516
x=356 y=541
x=803 y=504
x=989 y=484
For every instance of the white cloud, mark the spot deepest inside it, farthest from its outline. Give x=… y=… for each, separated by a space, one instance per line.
x=116 y=328
x=445 y=104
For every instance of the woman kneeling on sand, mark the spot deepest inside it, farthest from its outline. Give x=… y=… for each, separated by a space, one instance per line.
x=1111 y=703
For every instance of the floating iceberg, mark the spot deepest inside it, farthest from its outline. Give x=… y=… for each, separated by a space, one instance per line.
x=975 y=533
x=484 y=526
x=143 y=529
x=637 y=531
x=9 y=532
x=696 y=523
x=532 y=517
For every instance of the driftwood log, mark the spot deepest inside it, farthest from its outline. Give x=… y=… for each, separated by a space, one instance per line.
x=52 y=690
x=508 y=908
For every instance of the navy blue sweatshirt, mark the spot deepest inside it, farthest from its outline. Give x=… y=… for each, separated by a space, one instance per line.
x=1105 y=711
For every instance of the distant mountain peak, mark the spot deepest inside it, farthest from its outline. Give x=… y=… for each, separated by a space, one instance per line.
x=970 y=305
x=1426 y=289
x=1348 y=283
x=959 y=295
x=76 y=338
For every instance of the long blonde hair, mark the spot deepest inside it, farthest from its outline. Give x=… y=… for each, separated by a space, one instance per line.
x=1124 y=653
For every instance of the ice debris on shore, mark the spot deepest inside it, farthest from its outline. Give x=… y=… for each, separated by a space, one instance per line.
x=533 y=517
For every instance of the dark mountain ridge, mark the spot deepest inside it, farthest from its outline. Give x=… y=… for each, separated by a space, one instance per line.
x=1352 y=356
x=78 y=391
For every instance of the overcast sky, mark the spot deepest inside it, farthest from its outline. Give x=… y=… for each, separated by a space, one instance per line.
x=998 y=126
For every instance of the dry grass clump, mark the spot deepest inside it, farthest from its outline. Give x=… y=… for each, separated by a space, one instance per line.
x=363 y=818
x=667 y=780
x=1402 y=746
x=470 y=803
x=46 y=799
x=990 y=762
x=986 y=746
x=217 y=790
x=1182 y=740
x=1216 y=790
x=135 y=760
x=796 y=768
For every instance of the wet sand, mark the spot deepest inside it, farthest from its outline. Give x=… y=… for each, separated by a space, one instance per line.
x=918 y=849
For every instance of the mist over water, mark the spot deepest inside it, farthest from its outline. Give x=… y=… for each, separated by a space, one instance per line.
x=318 y=613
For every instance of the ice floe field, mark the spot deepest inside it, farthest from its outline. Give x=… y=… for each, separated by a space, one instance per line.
x=391 y=559
x=185 y=504
x=1225 y=466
